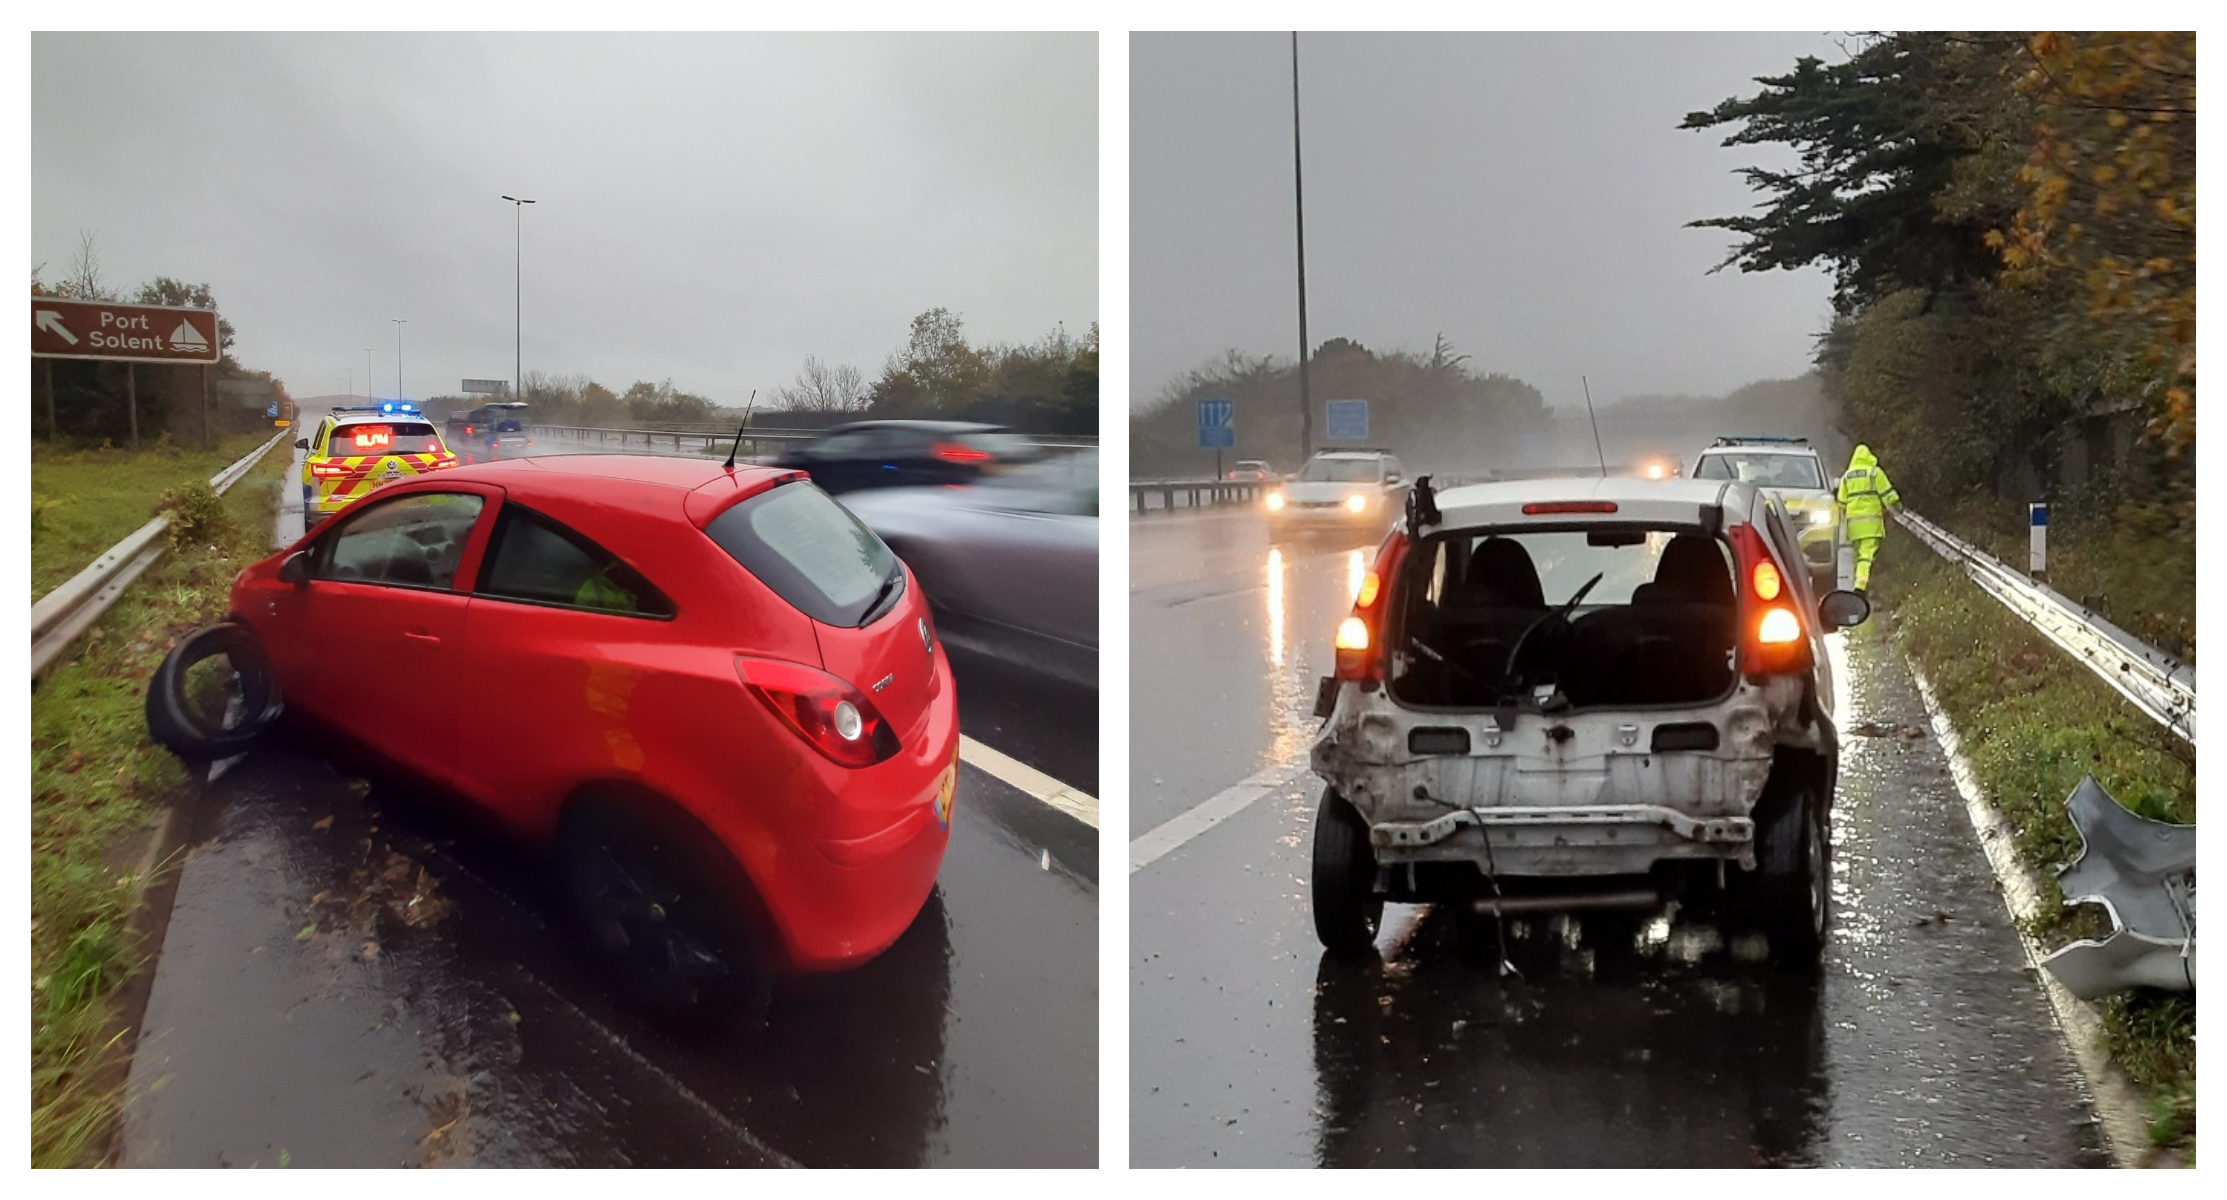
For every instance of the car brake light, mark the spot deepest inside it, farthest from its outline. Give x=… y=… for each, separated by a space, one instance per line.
x=1775 y=640
x=954 y=452
x=467 y=431
x=1560 y=507
x=1779 y=626
x=1353 y=634
x=327 y=470
x=831 y=716
x=1360 y=656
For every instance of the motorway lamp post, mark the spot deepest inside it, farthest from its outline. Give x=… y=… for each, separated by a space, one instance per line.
x=370 y=384
x=1299 y=211
x=400 y=394
x=518 y=292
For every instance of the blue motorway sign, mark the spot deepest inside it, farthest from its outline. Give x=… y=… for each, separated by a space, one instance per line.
x=1347 y=420
x=1217 y=424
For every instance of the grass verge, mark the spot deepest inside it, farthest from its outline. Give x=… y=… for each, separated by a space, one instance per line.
x=98 y=786
x=2032 y=722
x=84 y=501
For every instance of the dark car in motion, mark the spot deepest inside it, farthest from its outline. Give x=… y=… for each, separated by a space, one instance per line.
x=491 y=431
x=878 y=454
x=1010 y=563
x=712 y=692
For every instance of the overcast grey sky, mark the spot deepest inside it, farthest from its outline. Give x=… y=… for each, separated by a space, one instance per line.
x=1525 y=194
x=710 y=207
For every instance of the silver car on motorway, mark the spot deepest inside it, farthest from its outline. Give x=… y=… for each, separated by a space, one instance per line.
x=1009 y=564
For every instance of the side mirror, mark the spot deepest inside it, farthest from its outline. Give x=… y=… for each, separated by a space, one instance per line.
x=301 y=443
x=1843 y=610
x=295 y=569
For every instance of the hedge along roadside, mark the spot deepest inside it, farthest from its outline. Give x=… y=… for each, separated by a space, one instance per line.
x=2032 y=721
x=99 y=794
x=60 y=616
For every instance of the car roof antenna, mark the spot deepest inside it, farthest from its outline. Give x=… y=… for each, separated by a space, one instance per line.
x=739 y=428
x=1595 y=422
x=1422 y=506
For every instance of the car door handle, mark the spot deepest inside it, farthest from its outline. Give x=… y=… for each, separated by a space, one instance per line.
x=427 y=638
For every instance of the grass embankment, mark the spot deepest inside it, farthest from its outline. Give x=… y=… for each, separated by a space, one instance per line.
x=2136 y=566
x=84 y=501
x=2032 y=722
x=98 y=786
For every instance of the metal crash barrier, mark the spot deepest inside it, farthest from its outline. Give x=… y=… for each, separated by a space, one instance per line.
x=69 y=610
x=2142 y=872
x=2156 y=682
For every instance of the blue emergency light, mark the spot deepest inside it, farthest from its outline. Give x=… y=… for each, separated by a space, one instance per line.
x=390 y=406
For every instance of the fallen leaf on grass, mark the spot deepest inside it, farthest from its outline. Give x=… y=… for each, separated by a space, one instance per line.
x=327 y=823
x=308 y=929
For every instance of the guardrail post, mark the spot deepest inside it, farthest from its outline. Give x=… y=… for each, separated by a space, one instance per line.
x=2037 y=544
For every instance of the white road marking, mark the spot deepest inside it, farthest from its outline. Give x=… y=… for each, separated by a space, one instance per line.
x=1016 y=774
x=1208 y=813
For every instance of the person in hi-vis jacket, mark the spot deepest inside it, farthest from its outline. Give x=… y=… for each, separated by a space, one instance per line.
x=1865 y=495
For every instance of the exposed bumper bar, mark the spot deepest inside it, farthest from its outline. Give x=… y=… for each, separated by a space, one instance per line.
x=1726 y=830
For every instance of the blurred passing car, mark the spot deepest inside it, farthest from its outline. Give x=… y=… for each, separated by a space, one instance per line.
x=877 y=454
x=358 y=449
x=491 y=431
x=1011 y=561
x=1786 y=469
x=1251 y=470
x=1338 y=489
x=716 y=695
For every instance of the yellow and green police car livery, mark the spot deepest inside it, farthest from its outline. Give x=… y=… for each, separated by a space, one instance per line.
x=359 y=449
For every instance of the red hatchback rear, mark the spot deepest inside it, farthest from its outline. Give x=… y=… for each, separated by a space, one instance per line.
x=717 y=693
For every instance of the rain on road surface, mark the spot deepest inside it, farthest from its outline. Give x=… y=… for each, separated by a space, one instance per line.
x=1923 y=1043
x=353 y=978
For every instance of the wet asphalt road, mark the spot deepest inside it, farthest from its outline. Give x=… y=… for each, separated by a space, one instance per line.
x=1924 y=1041
x=352 y=976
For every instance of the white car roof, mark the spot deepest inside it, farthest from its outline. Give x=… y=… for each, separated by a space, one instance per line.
x=1353 y=454
x=1668 y=501
x=1756 y=448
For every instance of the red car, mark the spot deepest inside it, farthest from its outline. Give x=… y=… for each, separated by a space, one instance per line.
x=713 y=690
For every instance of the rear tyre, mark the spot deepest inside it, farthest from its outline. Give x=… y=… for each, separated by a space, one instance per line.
x=1347 y=906
x=214 y=694
x=1793 y=895
x=663 y=910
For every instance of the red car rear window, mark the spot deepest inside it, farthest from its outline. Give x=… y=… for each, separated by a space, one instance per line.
x=811 y=551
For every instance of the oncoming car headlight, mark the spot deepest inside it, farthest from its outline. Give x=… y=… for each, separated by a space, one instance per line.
x=1275 y=502
x=1357 y=503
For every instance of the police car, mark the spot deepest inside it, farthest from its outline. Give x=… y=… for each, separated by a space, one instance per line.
x=359 y=449
x=1788 y=470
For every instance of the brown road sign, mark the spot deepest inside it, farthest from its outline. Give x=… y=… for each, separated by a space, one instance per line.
x=122 y=332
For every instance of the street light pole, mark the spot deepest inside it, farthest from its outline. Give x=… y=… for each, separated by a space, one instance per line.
x=518 y=294
x=1299 y=210
x=400 y=394
x=370 y=385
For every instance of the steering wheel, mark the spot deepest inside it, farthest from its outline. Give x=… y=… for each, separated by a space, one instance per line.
x=1559 y=616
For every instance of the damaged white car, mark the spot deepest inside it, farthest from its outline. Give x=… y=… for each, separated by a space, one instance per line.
x=1582 y=694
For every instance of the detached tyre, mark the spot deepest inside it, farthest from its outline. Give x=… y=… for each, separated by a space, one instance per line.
x=1346 y=904
x=663 y=908
x=1793 y=893
x=214 y=694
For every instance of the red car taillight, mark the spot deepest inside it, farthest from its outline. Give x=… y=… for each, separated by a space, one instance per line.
x=1360 y=641
x=832 y=717
x=327 y=470
x=1773 y=639
x=443 y=460
x=954 y=452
